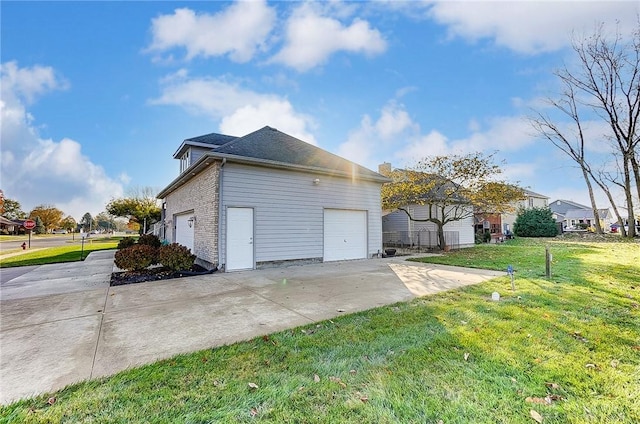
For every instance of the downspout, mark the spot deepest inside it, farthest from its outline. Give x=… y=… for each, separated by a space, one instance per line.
x=224 y=160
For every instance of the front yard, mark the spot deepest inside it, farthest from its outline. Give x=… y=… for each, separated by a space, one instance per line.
x=565 y=350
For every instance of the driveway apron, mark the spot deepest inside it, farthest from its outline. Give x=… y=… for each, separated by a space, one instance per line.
x=60 y=324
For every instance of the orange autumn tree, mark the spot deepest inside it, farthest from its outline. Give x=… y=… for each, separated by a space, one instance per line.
x=452 y=188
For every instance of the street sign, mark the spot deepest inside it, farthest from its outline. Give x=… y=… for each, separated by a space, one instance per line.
x=29 y=224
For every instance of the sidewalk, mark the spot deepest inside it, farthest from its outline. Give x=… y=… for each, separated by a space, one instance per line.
x=63 y=323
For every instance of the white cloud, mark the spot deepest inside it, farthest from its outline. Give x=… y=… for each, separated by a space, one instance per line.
x=238 y=31
x=432 y=144
x=29 y=83
x=395 y=137
x=38 y=171
x=311 y=38
x=239 y=110
x=277 y=113
x=507 y=134
x=531 y=27
x=369 y=144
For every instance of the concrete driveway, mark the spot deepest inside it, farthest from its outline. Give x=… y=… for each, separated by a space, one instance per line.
x=61 y=324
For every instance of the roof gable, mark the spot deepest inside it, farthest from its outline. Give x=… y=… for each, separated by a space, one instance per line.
x=269 y=145
x=270 y=148
x=211 y=140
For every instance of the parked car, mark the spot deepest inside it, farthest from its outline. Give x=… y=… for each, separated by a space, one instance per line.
x=614 y=228
x=59 y=231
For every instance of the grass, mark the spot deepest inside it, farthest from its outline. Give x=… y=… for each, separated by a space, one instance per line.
x=456 y=357
x=53 y=255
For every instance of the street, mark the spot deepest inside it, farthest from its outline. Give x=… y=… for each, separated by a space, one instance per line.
x=39 y=241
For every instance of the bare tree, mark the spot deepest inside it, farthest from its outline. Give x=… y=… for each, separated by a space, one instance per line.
x=607 y=83
x=572 y=145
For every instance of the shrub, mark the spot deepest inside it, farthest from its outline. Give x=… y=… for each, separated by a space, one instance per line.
x=150 y=240
x=535 y=222
x=126 y=242
x=136 y=257
x=176 y=257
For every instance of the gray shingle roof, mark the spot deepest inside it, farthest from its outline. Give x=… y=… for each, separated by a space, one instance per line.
x=272 y=148
x=213 y=139
x=534 y=194
x=270 y=145
x=586 y=214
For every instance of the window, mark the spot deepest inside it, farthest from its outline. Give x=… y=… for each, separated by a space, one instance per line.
x=531 y=202
x=184 y=161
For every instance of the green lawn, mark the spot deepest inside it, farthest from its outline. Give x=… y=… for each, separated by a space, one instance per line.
x=53 y=255
x=567 y=349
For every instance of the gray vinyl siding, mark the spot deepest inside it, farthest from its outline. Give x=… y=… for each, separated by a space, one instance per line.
x=395 y=221
x=289 y=209
x=196 y=153
x=398 y=221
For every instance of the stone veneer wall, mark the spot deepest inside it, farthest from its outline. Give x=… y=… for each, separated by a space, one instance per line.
x=200 y=195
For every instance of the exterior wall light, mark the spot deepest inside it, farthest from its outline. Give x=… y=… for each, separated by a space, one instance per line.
x=316 y=181
x=191 y=220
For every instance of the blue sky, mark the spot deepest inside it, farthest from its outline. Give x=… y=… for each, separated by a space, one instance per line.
x=97 y=96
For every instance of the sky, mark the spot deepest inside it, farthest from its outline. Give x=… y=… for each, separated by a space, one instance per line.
x=97 y=96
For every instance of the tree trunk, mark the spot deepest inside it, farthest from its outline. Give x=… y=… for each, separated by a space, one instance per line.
x=441 y=240
x=606 y=190
x=636 y=172
x=594 y=207
x=631 y=219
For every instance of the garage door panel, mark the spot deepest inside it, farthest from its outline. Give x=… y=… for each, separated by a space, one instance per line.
x=345 y=234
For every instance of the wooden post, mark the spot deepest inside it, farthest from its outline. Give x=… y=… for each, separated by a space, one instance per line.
x=547 y=261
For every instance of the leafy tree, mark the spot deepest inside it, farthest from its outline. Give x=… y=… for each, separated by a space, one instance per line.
x=535 y=222
x=87 y=222
x=40 y=227
x=141 y=208
x=50 y=216
x=452 y=188
x=68 y=223
x=105 y=221
x=13 y=210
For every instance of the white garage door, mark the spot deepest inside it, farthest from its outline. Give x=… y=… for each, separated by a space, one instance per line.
x=184 y=233
x=345 y=234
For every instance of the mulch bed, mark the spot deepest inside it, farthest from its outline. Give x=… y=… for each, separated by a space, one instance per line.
x=151 y=274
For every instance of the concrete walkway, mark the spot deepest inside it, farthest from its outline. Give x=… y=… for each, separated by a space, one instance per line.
x=61 y=324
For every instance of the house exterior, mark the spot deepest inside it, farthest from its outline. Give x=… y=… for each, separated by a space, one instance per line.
x=8 y=226
x=531 y=200
x=572 y=215
x=398 y=230
x=268 y=198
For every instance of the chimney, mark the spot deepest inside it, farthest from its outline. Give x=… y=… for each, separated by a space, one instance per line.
x=384 y=168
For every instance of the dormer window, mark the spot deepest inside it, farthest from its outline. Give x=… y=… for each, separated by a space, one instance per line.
x=184 y=161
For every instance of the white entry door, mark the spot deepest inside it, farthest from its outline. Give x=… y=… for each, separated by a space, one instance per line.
x=184 y=232
x=345 y=234
x=239 y=239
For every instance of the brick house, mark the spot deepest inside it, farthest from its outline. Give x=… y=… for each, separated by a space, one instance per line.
x=268 y=198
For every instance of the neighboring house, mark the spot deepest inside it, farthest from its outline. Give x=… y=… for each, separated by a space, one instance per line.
x=8 y=226
x=531 y=200
x=399 y=230
x=268 y=198
x=572 y=214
